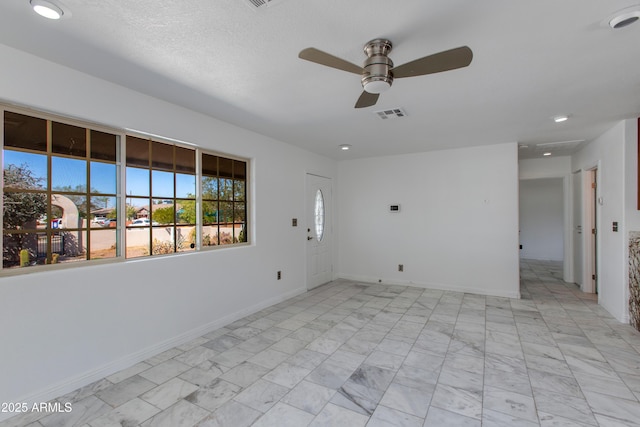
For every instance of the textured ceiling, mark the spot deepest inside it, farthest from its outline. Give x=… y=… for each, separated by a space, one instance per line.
x=532 y=61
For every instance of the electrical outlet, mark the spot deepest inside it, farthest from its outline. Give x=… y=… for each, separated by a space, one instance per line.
x=400 y=267
x=279 y=275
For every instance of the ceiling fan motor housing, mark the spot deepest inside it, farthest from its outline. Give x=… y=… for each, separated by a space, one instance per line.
x=377 y=76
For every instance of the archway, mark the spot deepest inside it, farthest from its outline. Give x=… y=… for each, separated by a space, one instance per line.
x=72 y=242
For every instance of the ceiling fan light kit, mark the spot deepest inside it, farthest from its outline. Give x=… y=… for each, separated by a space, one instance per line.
x=378 y=71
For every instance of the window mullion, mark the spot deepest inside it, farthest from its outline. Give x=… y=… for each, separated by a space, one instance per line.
x=199 y=217
x=87 y=202
x=48 y=225
x=121 y=195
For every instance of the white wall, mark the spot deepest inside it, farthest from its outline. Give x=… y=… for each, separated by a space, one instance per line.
x=542 y=219
x=458 y=224
x=614 y=155
x=577 y=227
x=66 y=328
x=548 y=167
x=632 y=214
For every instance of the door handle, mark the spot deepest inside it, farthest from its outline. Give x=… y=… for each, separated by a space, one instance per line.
x=309 y=238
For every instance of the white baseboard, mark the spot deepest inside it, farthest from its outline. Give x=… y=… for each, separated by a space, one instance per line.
x=73 y=383
x=436 y=286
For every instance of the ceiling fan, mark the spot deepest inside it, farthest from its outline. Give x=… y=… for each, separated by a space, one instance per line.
x=378 y=72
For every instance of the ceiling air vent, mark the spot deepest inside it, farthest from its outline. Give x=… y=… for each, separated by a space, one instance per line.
x=394 y=113
x=262 y=4
x=559 y=145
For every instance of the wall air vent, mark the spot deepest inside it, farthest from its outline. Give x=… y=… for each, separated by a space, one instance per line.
x=262 y=4
x=394 y=113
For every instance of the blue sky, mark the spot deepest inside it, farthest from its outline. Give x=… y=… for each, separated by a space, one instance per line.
x=72 y=172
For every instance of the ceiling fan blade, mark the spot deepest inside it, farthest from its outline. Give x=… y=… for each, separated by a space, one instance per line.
x=367 y=99
x=447 y=60
x=319 y=57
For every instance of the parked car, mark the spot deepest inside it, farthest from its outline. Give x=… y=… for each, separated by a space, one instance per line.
x=110 y=223
x=143 y=222
x=99 y=220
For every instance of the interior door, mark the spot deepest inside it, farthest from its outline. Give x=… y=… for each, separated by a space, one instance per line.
x=318 y=224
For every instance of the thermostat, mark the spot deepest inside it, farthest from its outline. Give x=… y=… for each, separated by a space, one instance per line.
x=394 y=208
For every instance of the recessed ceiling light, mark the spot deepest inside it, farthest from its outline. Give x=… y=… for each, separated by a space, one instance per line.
x=546 y=154
x=345 y=147
x=47 y=9
x=624 y=18
x=523 y=146
x=560 y=119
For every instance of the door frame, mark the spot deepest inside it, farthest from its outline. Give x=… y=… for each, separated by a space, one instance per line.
x=591 y=219
x=587 y=255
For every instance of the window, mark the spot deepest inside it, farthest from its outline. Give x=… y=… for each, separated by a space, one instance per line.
x=224 y=207
x=318 y=213
x=57 y=179
x=62 y=196
x=161 y=198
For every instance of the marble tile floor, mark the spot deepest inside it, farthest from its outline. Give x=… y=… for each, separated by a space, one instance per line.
x=354 y=354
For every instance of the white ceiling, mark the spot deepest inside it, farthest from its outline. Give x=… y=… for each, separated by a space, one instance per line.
x=532 y=60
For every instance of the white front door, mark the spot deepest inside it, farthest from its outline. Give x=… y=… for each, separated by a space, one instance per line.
x=318 y=224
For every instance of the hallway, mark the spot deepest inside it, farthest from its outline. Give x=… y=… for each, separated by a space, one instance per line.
x=587 y=361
